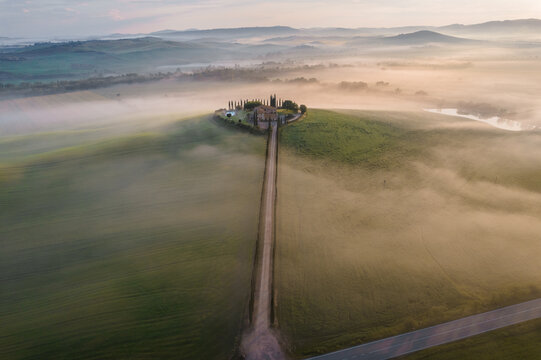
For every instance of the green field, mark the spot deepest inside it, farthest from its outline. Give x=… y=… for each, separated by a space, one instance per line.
x=127 y=245
x=389 y=222
x=515 y=342
x=240 y=117
x=81 y=59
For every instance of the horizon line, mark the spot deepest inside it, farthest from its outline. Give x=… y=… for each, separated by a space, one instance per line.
x=275 y=26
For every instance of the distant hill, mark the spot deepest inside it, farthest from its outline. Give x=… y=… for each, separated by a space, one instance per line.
x=168 y=50
x=306 y=39
x=489 y=29
x=423 y=37
x=79 y=59
x=242 y=32
x=163 y=32
x=497 y=27
x=304 y=47
x=121 y=46
x=393 y=30
x=415 y=38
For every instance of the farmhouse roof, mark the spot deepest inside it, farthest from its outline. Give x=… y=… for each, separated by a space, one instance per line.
x=265 y=108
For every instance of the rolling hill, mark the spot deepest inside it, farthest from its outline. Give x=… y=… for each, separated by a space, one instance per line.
x=495 y=28
x=173 y=49
x=506 y=28
x=229 y=33
x=79 y=59
x=424 y=37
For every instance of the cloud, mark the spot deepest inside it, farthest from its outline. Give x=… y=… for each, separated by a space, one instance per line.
x=115 y=15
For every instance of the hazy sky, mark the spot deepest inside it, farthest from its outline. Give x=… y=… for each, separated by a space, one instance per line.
x=93 y=17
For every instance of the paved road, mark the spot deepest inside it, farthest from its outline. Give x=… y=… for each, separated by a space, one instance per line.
x=440 y=334
x=295 y=118
x=260 y=342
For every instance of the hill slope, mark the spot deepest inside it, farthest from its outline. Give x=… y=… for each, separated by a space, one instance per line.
x=424 y=37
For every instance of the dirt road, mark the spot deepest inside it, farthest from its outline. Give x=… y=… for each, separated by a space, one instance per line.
x=260 y=341
x=440 y=334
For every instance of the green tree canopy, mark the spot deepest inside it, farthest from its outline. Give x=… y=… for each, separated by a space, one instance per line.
x=250 y=105
x=290 y=105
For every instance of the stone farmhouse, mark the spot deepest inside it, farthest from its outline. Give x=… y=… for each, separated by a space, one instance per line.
x=265 y=113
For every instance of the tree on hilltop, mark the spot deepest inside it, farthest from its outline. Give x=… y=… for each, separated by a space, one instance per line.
x=250 y=105
x=290 y=105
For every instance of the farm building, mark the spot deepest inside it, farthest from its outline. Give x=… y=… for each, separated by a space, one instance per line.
x=266 y=113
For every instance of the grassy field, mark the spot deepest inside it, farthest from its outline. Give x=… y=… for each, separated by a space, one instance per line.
x=136 y=246
x=357 y=141
x=515 y=342
x=241 y=117
x=75 y=60
x=389 y=222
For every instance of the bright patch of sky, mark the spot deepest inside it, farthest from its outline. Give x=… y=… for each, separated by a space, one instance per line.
x=68 y=18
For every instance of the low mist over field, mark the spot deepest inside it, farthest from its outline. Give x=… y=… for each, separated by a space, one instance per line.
x=121 y=242
x=405 y=68
x=413 y=221
x=134 y=192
